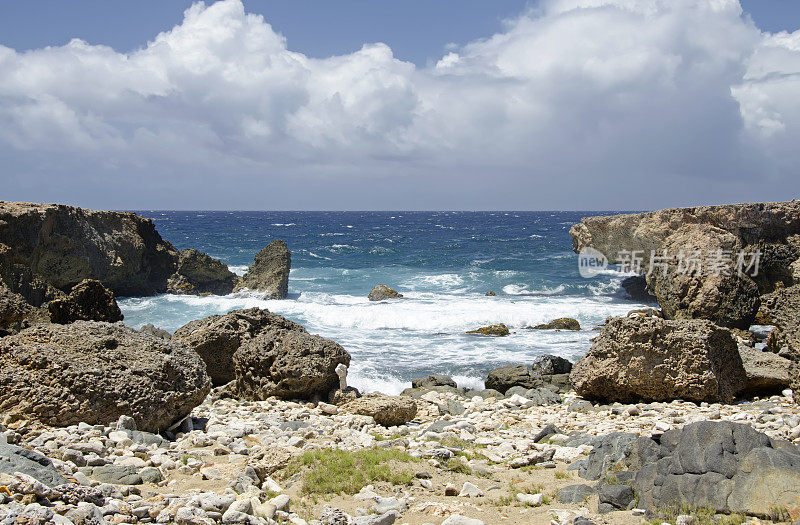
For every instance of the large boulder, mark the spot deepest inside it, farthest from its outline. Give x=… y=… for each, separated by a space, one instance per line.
x=59 y=246
x=218 y=337
x=505 y=377
x=551 y=364
x=95 y=372
x=289 y=363
x=386 y=410
x=15 y=459
x=269 y=272
x=381 y=292
x=650 y=358
x=767 y=372
x=88 y=300
x=198 y=273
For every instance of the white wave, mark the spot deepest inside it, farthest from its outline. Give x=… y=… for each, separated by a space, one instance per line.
x=470 y=383
x=312 y=254
x=536 y=236
x=522 y=289
x=238 y=269
x=284 y=224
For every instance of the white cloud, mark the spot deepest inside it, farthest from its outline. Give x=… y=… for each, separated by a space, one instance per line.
x=574 y=99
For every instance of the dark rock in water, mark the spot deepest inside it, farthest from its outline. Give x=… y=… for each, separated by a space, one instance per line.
x=216 y=338
x=654 y=359
x=59 y=246
x=17 y=459
x=385 y=410
x=197 y=273
x=89 y=300
x=551 y=364
x=285 y=361
x=490 y=293
x=13 y=309
x=269 y=272
x=381 y=292
x=496 y=330
x=95 y=372
x=636 y=287
x=503 y=378
x=433 y=380
x=562 y=323
x=767 y=373
x=574 y=494
x=153 y=331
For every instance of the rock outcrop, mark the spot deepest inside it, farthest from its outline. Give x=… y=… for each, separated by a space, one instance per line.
x=636 y=287
x=13 y=309
x=287 y=362
x=649 y=358
x=562 y=323
x=767 y=372
x=88 y=300
x=381 y=292
x=218 y=337
x=51 y=245
x=386 y=410
x=95 y=372
x=495 y=330
x=197 y=273
x=269 y=272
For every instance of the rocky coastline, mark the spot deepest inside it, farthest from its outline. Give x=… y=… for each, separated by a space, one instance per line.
x=685 y=413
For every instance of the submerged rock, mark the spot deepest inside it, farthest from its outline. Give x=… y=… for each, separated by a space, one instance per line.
x=95 y=372
x=269 y=272
x=381 y=292
x=89 y=300
x=496 y=330
x=654 y=359
x=198 y=273
x=562 y=323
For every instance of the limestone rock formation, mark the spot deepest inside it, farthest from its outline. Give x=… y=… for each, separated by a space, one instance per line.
x=562 y=323
x=13 y=309
x=767 y=372
x=95 y=372
x=197 y=273
x=649 y=358
x=59 y=246
x=88 y=300
x=381 y=292
x=269 y=272
x=386 y=410
x=636 y=287
x=218 y=337
x=496 y=330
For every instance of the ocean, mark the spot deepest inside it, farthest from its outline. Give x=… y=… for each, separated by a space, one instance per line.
x=443 y=263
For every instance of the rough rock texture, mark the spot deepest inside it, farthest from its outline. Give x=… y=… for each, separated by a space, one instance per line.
x=767 y=373
x=562 y=323
x=13 y=309
x=551 y=364
x=727 y=467
x=385 y=410
x=61 y=245
x=198 y=273
x=503 y=378
x=649 y=358
x=17 y=459
x=156 y=332
x=771 y=228
x=218 y=337
x=95 y=372
x=289 y=363
x=781 y=308
x=89 y=300
x=381 y=292
x=269 y=272
x=636 y=287
x=434 y=380
x=496 y=330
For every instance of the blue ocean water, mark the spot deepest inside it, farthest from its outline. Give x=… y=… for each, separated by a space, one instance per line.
x=443 y=262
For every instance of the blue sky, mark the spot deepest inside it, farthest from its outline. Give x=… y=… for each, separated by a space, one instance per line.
x=453 y=104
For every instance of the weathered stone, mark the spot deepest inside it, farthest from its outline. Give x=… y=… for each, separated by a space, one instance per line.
x=269 y=272
x=655 y=359
x=551 y=364
x=381 y=292
x=496 y=330
x=197 y=273
x=385 y=410
x=88 y=300
x=17 y=459
x=503 y=378
x=13 y=309
x=95 y=372
x=767 y=373
x=433 y=380
x=574 y=494
x=114 y=474
x=562 y=323
x=153 y=331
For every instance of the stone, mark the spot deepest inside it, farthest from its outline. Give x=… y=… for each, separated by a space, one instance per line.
x=153 y=331
x=269 y=272
x=88 y=300
x=636 y=288
x=433 y=380
x=503 y=378
x=469 y=490
x=530 y=499
x=95 y=372
x=654 y=359
x=562 y=323
x=341 y=371
x=495 y=330
x=551 y=364
x=458 y=519
x=767 y=373
x=385 y=410
x=216 y=338
x=285 y=361
x=14 y=310
x=618 y=496
x=60 y=246
x=114 y=474
x=574 y=494
x=450 y=490
x=381 y=292
x=383 y=505
x=197 y=273
x=17 y=459
x=546 y=432
x=387 y=518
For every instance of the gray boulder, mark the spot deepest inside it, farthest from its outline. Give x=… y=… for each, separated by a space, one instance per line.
x=88 y=300
x=574 y=494
x=17 y=459
x=197 y=273
x=269 y=272
x=503 y=378
x=434 y=380
x=156 y=332
x=767 y=373
x=95 y=372
x=551 y=364
x=216 y=338
x=655 y=359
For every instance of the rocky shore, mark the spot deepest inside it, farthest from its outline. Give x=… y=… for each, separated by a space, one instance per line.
x=683 y=414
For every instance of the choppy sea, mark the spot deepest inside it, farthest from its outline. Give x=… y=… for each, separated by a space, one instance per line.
x=443 y=262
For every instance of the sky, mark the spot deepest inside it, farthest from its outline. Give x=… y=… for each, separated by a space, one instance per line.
x=454 y=104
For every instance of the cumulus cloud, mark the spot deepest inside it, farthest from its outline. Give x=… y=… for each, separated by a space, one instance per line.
x=576 y=104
